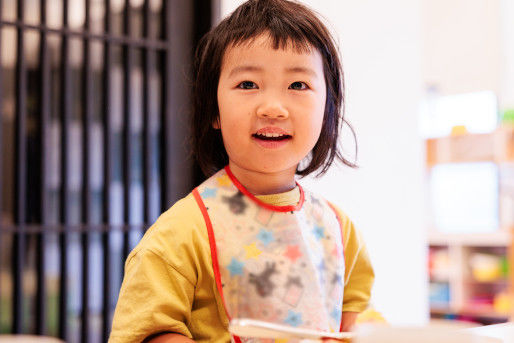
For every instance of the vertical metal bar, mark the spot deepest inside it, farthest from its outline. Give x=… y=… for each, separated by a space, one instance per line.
x=1 y=155
x=43 y=133
x=86 y=190
x=128 y=61
x=65 y=183
x=166 y=113
x=106 y=311
x=21 y=172
x=178 y=32
x=147 y=152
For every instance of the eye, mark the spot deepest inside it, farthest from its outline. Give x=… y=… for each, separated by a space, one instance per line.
x=247 y=85
x=298 y=86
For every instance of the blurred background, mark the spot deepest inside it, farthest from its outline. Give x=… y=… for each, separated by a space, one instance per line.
x=94 y=109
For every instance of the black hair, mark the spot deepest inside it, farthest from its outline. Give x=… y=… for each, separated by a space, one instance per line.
x=286 y=22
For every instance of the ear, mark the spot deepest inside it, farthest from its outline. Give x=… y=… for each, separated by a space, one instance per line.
x=216 y=123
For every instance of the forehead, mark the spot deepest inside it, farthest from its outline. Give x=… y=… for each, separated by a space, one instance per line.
x=262 y=47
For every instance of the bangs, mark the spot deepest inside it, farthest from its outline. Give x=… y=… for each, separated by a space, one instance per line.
x=279 y=39
x=289 y=25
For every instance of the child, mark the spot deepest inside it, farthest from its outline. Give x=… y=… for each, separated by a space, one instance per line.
x=250 y=242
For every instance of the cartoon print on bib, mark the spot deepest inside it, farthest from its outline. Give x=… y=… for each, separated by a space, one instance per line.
x=277 y=264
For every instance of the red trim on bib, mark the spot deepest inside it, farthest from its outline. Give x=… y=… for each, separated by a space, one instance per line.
x=261 y=203
x=340 y=220
x=214 y=252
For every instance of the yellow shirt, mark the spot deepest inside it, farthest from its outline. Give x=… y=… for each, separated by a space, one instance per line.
x=169 y=282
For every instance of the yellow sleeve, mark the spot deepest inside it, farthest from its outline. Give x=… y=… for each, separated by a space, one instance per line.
x=154 y=298
x=359 y=275
x=158 y=286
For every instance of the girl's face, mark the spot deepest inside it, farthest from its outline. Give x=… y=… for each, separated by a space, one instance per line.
x=271 y=104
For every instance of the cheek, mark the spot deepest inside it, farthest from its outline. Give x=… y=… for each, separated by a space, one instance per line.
x=317 y=112
x=316 y=129
x=235 y=113
x=314 y=123
x=229 y=104
x=233 y=130
x=321 y=110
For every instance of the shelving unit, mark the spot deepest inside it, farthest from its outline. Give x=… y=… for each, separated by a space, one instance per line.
x=497 y=147
x=469 y=277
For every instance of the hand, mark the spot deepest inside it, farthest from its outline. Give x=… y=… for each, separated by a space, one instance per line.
x=348 y=320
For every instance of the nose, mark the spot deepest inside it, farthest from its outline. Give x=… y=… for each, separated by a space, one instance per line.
x=272 y=110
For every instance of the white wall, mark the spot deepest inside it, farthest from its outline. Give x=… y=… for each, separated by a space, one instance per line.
x=380 y=42
x=468 y=47
x=462 y=45
x=507 y=36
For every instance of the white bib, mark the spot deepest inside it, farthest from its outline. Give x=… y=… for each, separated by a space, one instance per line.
x=280 y=264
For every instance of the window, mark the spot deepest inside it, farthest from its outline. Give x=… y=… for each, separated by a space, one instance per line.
x=93 y=133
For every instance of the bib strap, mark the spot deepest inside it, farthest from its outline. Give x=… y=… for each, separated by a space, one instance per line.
x=339 y=219
x=214 y=252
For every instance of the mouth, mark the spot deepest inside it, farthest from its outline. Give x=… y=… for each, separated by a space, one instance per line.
x=274 y=137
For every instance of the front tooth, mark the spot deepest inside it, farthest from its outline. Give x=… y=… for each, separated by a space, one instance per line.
x=271 y=135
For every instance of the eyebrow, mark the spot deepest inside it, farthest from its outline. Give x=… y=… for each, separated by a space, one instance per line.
x=244 y=68
x=302 y=70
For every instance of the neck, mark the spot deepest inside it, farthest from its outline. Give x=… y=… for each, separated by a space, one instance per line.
x=263 y=183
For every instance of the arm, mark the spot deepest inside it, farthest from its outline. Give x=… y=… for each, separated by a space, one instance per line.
x=154 y=298
x=170 y=338
x=348 y=320
x=359 y=274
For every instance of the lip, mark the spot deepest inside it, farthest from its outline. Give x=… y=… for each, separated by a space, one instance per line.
x=271 y=144
x=272 y=129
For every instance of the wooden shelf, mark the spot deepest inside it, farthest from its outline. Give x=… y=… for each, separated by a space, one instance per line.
x=461 y=283
x=483 y=311
x=436 y=279
x=499 y=238
x=498 y=282
x=497 y=146
x=480 y=311
x=441 y=309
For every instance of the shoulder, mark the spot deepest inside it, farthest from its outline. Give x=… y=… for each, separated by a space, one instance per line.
x=352 y=236
x=343 y=218
x=347 y=226
x=178 y=234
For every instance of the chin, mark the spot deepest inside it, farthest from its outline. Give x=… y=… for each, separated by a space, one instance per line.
x=274 y=167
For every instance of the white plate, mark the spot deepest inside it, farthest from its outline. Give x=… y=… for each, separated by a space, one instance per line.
x=258 y=329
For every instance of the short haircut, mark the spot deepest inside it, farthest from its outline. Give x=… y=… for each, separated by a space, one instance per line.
x=286 y=22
